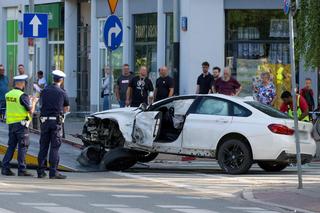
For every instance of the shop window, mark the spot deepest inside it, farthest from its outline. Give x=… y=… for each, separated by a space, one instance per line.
x=56 y=51
x=258 y=41
x=145 y=43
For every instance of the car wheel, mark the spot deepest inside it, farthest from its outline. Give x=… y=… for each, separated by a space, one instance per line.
x=145 y=157
x=234 y=157
x=118 y=159
x=91 y=155
x=270 y=166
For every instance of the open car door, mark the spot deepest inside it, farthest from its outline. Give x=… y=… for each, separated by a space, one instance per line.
x=146 y=128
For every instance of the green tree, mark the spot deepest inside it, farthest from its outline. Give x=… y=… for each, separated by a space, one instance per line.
x=308 y=39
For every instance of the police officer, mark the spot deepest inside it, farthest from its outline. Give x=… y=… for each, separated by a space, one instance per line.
x=18 y=117
x=54 y=103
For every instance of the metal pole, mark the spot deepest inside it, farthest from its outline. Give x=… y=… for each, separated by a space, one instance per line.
x=110 y=76
x=31 y=56
x=293 y=92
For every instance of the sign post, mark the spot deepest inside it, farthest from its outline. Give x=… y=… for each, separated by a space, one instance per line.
x=292 y=7
x=112 y=33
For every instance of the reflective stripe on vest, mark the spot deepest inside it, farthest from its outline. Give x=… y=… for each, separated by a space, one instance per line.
x=299 y=112
x=15 y=112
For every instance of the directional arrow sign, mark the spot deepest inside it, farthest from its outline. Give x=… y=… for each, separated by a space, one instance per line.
x=35 y=25
x=113 y=5
x=35 y=22
x=113 y=32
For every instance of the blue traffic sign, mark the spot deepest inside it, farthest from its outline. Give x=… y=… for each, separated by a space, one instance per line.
x=35 y=25
x=286 y=6
x=113 y=32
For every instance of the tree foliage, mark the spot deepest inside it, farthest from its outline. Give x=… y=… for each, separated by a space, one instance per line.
x=308 y=39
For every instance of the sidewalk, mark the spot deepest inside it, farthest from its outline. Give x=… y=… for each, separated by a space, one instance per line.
x=292 y=199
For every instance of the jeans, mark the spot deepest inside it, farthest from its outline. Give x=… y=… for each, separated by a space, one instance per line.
x=122 y=104
x=106 y=102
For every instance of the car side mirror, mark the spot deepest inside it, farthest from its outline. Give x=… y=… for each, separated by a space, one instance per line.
x=143 y=107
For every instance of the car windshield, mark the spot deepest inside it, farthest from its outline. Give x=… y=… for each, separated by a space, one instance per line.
x=267 y=110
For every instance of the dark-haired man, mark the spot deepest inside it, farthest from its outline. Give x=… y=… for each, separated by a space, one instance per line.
x=215 y=74
x=287 y=106
x=204 y=81
x=122 y=85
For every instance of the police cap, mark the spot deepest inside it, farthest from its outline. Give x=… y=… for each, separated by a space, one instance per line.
x=57 y=74
x=20 y=78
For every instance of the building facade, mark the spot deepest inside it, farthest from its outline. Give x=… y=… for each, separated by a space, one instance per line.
x=248 y=36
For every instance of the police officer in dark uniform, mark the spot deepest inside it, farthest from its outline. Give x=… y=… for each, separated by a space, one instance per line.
x=18 y=116
x=54 y=103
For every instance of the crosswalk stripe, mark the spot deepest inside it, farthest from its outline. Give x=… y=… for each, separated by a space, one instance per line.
x=38 y=204
x=130 y=196
x=194 y=210
x=128 y=210
x=66 y=195
x=10 y=193
x=109 y=205
x=5 y=211
x=193 y=198
x=263 y=211
x=175 y=207
x=246 y=208
x=58 y=209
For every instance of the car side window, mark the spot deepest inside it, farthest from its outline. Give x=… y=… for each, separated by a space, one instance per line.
x=240 y=111
x=180 y=106
x=213 y=106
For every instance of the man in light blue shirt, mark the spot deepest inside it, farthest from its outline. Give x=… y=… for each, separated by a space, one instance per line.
x=4 y=82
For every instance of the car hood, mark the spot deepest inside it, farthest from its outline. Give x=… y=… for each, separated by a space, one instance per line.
x=120 y=111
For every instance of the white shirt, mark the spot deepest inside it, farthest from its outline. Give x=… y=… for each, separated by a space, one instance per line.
x=106 y=85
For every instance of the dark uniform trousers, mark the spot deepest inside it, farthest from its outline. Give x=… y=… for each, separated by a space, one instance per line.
x=18 y=136
x=51 y=133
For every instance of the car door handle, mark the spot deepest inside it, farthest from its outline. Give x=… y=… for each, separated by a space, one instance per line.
x=221 y=121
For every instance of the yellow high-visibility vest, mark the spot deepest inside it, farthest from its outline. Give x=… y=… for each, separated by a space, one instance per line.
x=299 y=112
x=15 y=112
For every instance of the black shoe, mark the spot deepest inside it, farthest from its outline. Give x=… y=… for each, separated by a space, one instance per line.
x=42 y=175
x=25 y=174
x=8 y=172
x=58 y=176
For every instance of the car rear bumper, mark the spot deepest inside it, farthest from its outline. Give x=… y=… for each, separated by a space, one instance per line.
x=292 y=158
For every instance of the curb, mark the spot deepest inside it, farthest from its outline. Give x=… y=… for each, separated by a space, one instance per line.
x=248 y=195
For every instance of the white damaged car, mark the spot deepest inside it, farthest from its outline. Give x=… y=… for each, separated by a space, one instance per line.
x=237 y=132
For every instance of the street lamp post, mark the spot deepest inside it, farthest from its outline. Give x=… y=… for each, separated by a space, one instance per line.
x=292 y=11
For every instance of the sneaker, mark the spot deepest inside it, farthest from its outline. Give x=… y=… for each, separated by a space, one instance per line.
x=42 y=175
x=58 y=176
x=25 y=174
x=8 y=172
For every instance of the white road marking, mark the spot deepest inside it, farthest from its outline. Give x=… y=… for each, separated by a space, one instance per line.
x=58 y=209
x=130 y=196
x=109 y=205
x=262 y=211
x=10 y=193
x=193 y=198
x=247 y=208
x=176 y=185
x=5 y=211
x=4 y=184
x=66 y=195
x=39 y=204
x=175 y=207
x=128 y=210
x=194 y=210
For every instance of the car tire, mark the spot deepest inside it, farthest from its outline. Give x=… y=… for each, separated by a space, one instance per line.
x=271 y=166
x=234 y=157
x=118 y=159
x=91 y=155
x=145 y=157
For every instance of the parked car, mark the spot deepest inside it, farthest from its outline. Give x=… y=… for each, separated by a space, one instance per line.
x=237 y=132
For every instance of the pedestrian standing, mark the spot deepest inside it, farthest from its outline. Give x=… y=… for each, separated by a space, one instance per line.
x=227 y=85
x=307 y=93
x=4 y=84
x=204 y=81
x=140 y=89
x=40 y=84
x=215 y=74
x=266 y=91
x=164 y=85
x=54 y=103
x=122 y=85
x=18 y=116
x=107 y=89
x=21 y=69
